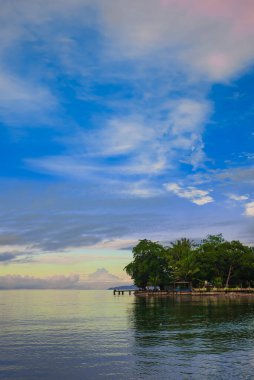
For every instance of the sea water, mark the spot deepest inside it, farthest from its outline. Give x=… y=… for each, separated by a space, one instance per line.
x=78 y=334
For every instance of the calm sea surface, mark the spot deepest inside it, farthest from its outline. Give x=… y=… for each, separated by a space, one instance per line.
x=62 y=334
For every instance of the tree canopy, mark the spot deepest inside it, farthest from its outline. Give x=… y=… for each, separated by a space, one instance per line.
x=149 y=265
x=215 y=260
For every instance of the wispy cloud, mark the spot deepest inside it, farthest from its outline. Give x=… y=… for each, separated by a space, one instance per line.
x=119 y=137
x=236 y=174
x=33 y=102
x=142 y=189
x=136 y=147
x=31 y=282
x=186 y=124
x=100 y=279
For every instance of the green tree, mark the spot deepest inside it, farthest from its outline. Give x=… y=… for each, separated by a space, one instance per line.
x=224 y=263
x=245 y=273
x=215 y=260
x=234 y=257
x=181 y=248
x=182 y=259
x=149 y=265
x=208 y=257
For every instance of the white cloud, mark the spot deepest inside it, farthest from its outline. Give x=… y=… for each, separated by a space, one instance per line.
x=141 y=147
x=187 y=116
x=83 y=168
x=238 y=197
x=119 y=137
x=199 y=197
x=249 y=209
x=154 y=145
x=66 y=166
x=186 y=124
x=141 y=189
x=135 y=143
x=102 y=275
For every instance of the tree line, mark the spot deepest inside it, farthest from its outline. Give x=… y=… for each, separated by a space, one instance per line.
x=213 y=261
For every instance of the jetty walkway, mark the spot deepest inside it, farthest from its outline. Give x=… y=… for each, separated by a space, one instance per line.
x=121 y=291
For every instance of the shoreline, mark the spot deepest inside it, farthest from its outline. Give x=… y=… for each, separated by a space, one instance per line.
x=195 y=293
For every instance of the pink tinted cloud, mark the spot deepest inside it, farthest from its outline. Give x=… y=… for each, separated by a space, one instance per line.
x=239 y=14
x=238 y=21
x=213 y=39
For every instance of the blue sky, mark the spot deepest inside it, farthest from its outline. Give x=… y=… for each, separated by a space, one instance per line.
x=121 y=121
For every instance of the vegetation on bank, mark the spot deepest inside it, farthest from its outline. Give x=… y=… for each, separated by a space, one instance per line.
x=216 y=261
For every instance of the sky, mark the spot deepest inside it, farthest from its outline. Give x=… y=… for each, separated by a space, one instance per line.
x=121 y=120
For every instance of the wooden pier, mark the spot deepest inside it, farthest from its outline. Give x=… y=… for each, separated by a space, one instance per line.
x=119 y=292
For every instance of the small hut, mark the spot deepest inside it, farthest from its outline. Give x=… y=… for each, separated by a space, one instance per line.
x=182 y=287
